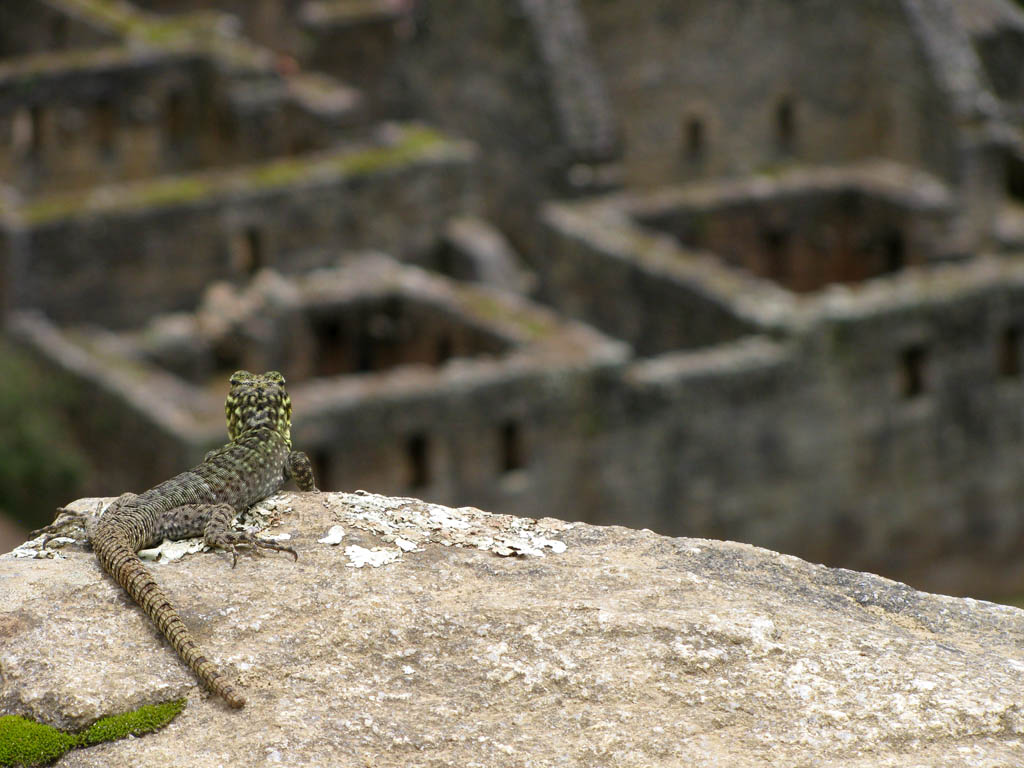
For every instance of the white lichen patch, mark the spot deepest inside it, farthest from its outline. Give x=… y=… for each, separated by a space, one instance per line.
x=33 y=550
x=410 y=524
x=168 y=551
x=333 y=536
x=375 y=558
x=265 y=513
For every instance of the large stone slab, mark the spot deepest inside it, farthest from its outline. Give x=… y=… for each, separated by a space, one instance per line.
x=431 y=636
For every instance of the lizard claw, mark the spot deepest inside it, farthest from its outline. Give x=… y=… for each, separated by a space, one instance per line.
x=258 y=544
x=253 y=545
x=66 y=518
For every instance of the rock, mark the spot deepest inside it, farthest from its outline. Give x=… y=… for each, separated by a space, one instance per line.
x=584 y=646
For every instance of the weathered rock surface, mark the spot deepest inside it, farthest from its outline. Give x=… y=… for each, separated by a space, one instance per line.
x=624 y=649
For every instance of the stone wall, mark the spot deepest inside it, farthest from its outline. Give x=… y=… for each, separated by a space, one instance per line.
x=156 y=245
x=900 y=428
x=813 y=228
x=510 y=441
x=557 y=93
x=77 y=119
x=1000 y=51
x=882 y=430
x=361 y=44
x=875 y=428
x=931 y=387
x=731 y=441
x=475 y=69
x=30 y=26
x=270 y=22
x=272 y=325
x=496 y=425
x=701 y=92
x=498 y=421
x=652 y=309
x=875 y=425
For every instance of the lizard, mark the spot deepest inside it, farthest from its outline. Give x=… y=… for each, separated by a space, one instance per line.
x=202 y=502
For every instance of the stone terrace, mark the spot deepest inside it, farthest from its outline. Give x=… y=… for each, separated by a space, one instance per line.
x=480 y=402
x=888 y=411
x=67 y=254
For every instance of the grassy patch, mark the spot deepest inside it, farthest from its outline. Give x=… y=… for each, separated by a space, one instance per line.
x=24 y=742
x=173 y=190
x=40 y=466
x=415 y=144
x=488 y=308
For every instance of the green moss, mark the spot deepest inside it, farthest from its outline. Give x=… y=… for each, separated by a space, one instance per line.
x=104 y=11
x=529 y=324
x=168 y=191
x=279 y=173
x=126 y=20
x=29 y=71
x=486 y=307
x=327 y=13
x=195 y=30
x=161 y=33
x=770 y=170
x=52 y=208
x=143 y=720
x=172 y=191
x=414 y=143
x=24 y=742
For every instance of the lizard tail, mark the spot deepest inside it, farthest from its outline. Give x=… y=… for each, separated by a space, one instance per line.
x=120 y=561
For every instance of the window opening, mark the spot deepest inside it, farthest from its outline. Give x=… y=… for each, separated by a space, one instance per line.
x=915 y=361
x=785 y=126
x=694 y=140
x=417 y=453
x=59 y=32
x=1009 y=352
x=174 y=118
x=895 y=252
x=249 y=256
x=512 y=454
x=445 y=349
x=776 y=248
x=106 y=126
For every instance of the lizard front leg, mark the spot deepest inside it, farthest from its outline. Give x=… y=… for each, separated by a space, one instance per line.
x=299 y=467
x=217 y=533
x=213 y=523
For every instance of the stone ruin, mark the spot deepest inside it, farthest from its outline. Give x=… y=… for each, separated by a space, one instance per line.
x=508 y=257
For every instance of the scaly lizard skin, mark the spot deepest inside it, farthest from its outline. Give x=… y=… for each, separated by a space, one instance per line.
x=203 y=502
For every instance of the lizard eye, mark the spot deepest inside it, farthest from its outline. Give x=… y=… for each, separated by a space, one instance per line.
x=238 y=377
x=275 y=376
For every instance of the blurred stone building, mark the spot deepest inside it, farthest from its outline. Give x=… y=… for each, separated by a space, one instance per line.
x=733 y=269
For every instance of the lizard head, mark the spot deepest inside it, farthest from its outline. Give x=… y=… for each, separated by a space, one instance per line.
x=258 y=400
